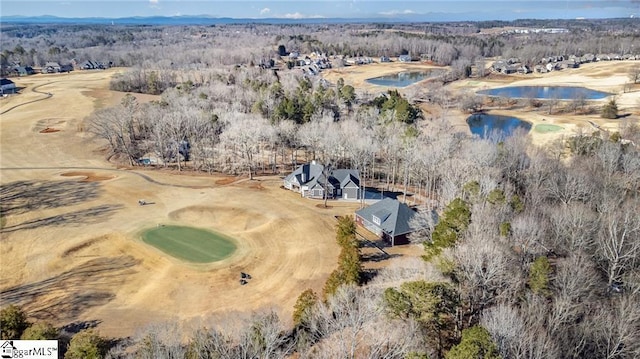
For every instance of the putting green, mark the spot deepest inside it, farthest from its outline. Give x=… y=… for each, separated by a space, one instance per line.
x=190 y=244
x=546 y=128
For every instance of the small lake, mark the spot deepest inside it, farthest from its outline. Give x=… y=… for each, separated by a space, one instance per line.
x=546 y=92
x=404 y=79
x=495 y=126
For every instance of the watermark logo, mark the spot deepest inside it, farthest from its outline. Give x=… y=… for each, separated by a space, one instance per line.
x=28 y=349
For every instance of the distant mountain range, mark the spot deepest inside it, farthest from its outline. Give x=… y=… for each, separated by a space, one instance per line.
x=195 y=20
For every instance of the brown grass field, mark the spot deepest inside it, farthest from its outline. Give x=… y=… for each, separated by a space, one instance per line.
x=70 y=247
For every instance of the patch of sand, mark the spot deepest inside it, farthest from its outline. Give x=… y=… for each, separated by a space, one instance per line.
x=227 y=180
x=49 y=130
x=88 y=176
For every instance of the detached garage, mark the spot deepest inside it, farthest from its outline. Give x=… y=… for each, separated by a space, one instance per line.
x=390 y=219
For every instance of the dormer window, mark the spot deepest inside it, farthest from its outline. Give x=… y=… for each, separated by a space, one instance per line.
x=376 y=220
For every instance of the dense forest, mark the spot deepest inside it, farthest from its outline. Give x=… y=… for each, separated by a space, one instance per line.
x=536 y=253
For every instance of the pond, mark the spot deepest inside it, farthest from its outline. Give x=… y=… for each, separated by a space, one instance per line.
x=546 y=92
x=494 y=126
x=404 y=79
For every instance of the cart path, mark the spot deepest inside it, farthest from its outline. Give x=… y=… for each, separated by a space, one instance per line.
x=48 y=95
x=141 y=175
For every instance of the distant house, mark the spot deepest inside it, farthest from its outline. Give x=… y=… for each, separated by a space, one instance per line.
x=588 y=58
x=504 y=67
x=498 y=65
x=50 y=67
x=540 y=69
x=524 y=69
x=385 y=59
x=92 y=65
x=310 y=181
x=427 y=57
x=266 y=63
x=404 y=58
x=390 y=219
x=553 y=66
x=570 y=64
x=7 y=86
x=24 y=70
x=66 y=68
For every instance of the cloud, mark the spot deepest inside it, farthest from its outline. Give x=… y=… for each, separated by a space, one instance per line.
x=153 y=1
x=266 y=10
x=397 y=12
x=297 y=15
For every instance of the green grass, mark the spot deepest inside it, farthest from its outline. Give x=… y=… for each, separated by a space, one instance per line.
x=190 y=244
x=546 y=128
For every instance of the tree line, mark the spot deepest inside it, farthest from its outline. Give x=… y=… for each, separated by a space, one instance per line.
x=205 y=48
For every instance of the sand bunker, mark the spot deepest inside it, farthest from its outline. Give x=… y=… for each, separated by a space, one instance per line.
x=226 y=181
x=225 y=219
x=49 y=130
x=50 y=125
x=88 y=176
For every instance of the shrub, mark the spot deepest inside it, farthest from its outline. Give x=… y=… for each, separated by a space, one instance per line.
x=86 y=344
x=516 y=204
x=610 y=110
x=476 y=343
x=40 y=331
x=13 y=322
x=539 y=276
x=349 y=269
x=455 y=220
x=505 y=229
x=301 y=310
x=496 y=197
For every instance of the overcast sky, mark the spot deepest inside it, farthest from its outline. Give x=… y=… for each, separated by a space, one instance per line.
x=414 y=10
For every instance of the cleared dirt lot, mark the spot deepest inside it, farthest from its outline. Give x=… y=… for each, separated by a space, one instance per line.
x=70 y=247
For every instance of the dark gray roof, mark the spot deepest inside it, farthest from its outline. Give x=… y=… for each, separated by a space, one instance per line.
x=5 y=82
x=343 y=176
x=308 y=171
x=312 y=175
x=395 y=216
